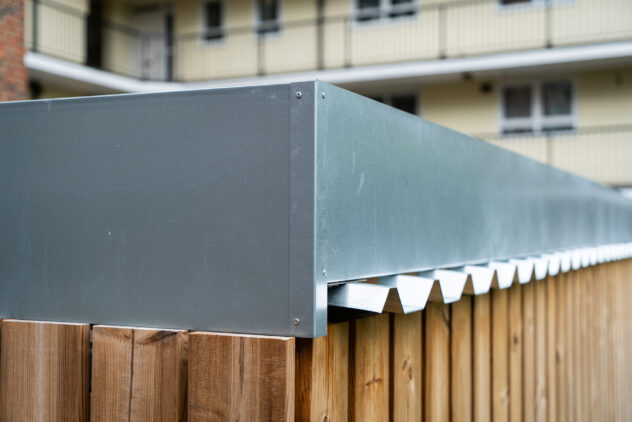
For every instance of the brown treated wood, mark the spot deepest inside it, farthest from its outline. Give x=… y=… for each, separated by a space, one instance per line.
x=322 y=376
x=371 y=376
x=540 y=352
x=138 y=374
x=44 y=371
x=515 y=353
x=569 y=346
x=500 y=355
x=461 y=360
x=528 y=351
x=240 y=377
x=482 y=362
x=437 y=362
x=407 y=376
x=560 y=351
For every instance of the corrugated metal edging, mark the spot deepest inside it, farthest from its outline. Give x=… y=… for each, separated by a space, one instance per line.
x=406 y=293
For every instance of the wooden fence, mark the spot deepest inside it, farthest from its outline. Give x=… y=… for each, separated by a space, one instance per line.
x=556 y=350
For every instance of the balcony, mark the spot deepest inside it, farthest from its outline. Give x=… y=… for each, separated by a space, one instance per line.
x=447 y=30
x=598 y=153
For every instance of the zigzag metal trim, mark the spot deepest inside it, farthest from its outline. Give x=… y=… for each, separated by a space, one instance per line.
x=400 y=293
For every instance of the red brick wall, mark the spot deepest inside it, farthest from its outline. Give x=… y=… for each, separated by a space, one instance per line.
x=13 y=76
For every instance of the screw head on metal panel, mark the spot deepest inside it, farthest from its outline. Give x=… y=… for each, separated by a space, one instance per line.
x=299 y=94
x=325 y=273
x=323 y=95
x=296 y=321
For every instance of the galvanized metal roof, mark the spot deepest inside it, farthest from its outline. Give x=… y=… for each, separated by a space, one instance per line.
x=252 y=209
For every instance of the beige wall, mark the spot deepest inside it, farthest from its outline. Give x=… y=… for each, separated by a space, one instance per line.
x=605 y=97
x=461 y=106
x=50 y=91
x=602 y=148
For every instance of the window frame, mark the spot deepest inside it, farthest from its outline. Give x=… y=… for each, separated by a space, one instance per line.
x=258 y=21
x=536 y=124
x=203 y=24
x=530 y=4
x=384 y=10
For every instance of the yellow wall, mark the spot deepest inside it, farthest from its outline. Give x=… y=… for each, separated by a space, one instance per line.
x=605 y=97
x=461 y=106
x=50 y=91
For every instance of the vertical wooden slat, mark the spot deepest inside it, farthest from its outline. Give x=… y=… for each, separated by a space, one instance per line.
x=617 y=291
x=240 y=377
x=437 y=362
x=586 y=338
x=595 y=339
x=138 y=374
x=540 y=351
x=322 y=376
x=482 y=362
x=44 y=371
x=551 y=346
x=528 y=351
x=569 y=346
x=560 y=351
x=500 y=356
x=515 y=353
x=602 y=290
x=338 y=378
x=461 y=360
x=311 y=379
x=577 y=346
x=371 y=376
x=407 y=376
x=626 y=296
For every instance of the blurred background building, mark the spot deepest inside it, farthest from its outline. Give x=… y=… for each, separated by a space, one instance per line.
x=551 y=79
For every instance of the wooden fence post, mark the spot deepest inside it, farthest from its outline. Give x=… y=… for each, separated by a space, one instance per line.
x=44 y=371
x=138 y=374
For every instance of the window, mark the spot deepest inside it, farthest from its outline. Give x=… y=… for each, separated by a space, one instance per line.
x=370 y=10
x=212 y=15
x=268 y=16
x=404 y=102
x=509 y=2
x=537 y=107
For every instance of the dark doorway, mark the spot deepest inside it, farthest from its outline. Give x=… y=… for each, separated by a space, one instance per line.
x=94 y=35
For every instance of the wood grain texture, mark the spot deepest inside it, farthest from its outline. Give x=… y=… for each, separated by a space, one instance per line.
x=551 y=348
x=569 y=346
x=540 y=352
x=437 y=362
x=371 y=377
x=528 y=351
x=500 y=356
x=240 y=377
x=44 y=371
x=322 y=376
x=461 y=360
x=138 y=374
x=407 y=364
x=515 y=352
x=560 y=348
x=482 y=358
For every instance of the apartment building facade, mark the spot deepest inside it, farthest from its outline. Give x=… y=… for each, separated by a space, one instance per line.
x=551 y=79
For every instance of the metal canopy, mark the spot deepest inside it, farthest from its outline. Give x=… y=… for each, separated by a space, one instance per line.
x=234 y=209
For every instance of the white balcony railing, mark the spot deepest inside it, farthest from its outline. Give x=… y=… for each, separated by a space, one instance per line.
x=430 y=31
